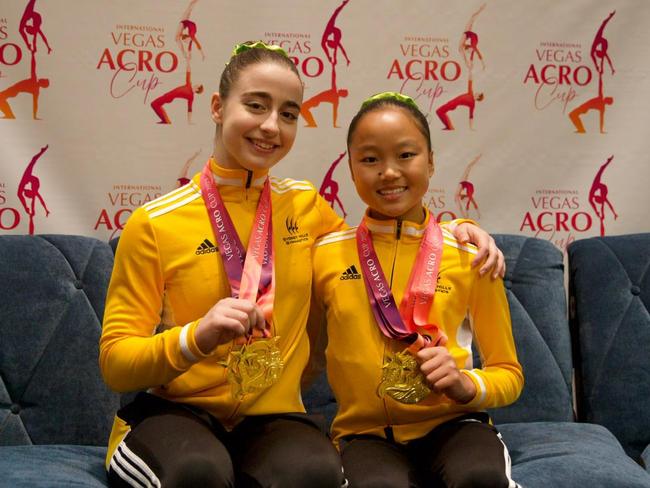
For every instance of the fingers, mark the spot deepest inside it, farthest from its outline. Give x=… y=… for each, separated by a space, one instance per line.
x=247 y=313
x=438 y=367
x=491 y=251
x=461 y=234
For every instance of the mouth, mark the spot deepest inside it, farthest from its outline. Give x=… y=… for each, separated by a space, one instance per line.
x=392 y=193
x=262 y=146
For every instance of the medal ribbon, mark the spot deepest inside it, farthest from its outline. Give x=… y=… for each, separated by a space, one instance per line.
x=250 y=272
x=418 y=298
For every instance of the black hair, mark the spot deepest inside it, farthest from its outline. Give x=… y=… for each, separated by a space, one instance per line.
x=416 y=114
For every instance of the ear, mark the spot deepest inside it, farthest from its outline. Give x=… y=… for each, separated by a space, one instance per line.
x=432 y=165
x=350 y=166
x=216 y=108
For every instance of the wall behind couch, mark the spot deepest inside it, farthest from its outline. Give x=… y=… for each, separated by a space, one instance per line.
x=546 y=70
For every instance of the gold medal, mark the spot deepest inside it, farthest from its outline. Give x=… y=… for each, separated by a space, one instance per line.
x=257 y=365
x=402 y=379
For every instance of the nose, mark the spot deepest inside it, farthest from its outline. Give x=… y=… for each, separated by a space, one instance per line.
x=270 y=124
x=390 y=171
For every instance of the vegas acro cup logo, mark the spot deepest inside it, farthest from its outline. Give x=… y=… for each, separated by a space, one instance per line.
x=332 y=45
x=31 y=32
x=564 y=75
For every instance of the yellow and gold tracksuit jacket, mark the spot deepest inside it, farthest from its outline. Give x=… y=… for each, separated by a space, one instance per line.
x=357 y=348
x=168 y=273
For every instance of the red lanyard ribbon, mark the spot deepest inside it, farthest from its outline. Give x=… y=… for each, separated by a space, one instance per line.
x=414 y=309
x=250 y=272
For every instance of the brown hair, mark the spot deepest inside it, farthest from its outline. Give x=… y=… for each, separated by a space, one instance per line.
x=239 y=62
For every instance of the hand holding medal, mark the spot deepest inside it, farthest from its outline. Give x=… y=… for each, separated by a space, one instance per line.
x=443 y=376
x=257 y=364
x=402 y=378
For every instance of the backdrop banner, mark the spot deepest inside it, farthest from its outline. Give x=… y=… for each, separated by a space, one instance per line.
x=538 y=109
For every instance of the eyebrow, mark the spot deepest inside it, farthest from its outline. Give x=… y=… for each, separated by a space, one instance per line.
x=267 y=97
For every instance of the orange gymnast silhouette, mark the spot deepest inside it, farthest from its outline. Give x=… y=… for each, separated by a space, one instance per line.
x=30 y=85
x=598 y=103
x=28 y=189
x=332 y=95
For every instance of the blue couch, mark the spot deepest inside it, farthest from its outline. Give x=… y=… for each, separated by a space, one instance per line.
x=56 y=413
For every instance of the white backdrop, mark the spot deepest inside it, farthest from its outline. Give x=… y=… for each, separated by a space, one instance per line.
x=531 y=173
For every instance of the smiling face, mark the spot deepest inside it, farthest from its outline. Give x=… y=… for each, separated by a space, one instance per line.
x=391 y=164
x=258 y=119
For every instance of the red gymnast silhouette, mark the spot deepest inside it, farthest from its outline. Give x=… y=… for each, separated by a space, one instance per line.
x=185 y=92
x=28 y=189
x=186 y=32
x=331 y=40
x=600 y=46
x=467 y=99
x=30 y=23
x=598 y=197
x=329 y=189
x=466 y=191
x=183 y=177
x=469 y=42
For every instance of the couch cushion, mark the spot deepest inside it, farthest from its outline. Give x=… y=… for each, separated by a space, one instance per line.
x=53 y=289
x=571 y=455
x=535 y=290
x=610 y=294
x=55 y=466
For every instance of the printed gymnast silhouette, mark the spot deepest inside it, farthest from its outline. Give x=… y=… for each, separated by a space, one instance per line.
x=29 y=191
x=331 y=95
x=599 y=103
x=466 y=191
x=186 y=33
x=186 y=92
x=30 y=24
x=331 y=39
x=329 y=188
x=469 y=42
x=598 y=196
x=330 y=42
x=31 y=86
x=467 y=99
x=183 y=177
x=600 y=46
